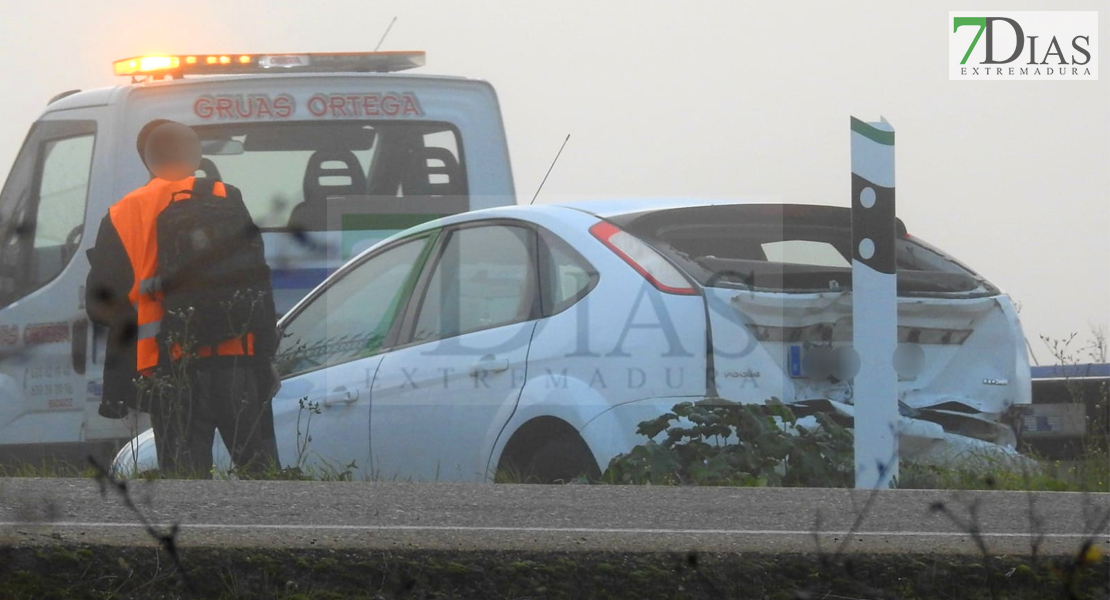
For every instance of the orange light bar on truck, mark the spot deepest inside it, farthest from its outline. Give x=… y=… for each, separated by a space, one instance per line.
x=243 y=64
x=146 y=64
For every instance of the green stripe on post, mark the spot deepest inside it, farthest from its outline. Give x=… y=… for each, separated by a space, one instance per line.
x=874 y=134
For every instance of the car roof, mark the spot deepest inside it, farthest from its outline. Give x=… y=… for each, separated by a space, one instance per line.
x=600 y=208
x=613 y=207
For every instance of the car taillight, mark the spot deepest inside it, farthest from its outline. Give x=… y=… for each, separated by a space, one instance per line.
x=647 y=262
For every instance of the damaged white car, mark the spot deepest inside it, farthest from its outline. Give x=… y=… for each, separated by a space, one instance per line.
x=537 y=338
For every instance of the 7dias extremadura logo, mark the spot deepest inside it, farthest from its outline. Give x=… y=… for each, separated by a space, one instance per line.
x=1053 y=45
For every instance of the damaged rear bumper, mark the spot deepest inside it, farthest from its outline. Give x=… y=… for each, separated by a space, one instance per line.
x=933 y=436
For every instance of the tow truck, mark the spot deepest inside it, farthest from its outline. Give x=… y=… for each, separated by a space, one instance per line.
x=332 y=151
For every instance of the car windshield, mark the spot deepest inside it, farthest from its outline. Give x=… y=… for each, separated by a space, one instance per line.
x=291 y=174
x=788 y=248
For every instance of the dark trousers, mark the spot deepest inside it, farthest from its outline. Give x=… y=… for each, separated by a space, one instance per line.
x=196 y=400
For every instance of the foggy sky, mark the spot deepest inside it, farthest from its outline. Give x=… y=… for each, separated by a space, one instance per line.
x=705 y=99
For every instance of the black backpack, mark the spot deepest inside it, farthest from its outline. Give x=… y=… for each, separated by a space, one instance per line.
x=211 y=268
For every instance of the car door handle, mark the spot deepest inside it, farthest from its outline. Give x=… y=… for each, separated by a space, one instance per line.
x=340 y=395
x=489 y=364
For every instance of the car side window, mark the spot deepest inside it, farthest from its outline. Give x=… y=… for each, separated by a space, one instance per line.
x=353 y=316
x=485 y=277
x=566 y=276
x=42 y=207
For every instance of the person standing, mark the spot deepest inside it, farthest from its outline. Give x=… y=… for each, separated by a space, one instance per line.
x=192 y=374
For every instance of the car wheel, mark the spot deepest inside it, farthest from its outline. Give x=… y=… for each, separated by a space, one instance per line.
x=561 y=462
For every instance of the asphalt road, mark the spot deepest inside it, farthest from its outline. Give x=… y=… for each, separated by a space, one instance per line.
x=574 y=517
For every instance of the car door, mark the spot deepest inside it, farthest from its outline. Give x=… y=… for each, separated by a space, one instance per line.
x=442 y=396
x=328 y=356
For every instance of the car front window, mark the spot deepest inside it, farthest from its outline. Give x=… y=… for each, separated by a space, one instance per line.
x=352 y=317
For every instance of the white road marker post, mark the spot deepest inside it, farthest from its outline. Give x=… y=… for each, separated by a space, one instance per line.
x=874 y=303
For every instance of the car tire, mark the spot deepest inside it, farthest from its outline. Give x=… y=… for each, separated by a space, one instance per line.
x=562 y=461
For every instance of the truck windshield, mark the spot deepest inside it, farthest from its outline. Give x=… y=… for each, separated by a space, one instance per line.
x=305 y=175
x=789 y=248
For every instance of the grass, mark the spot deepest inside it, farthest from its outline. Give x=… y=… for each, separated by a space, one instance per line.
x=111 y=573
x=512 y=475
x=45 y=468
x=1088 y=472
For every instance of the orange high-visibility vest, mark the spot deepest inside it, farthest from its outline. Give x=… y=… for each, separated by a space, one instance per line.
x=135 y=218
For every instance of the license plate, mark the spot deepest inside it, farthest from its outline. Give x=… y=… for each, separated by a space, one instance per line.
x=794 y=360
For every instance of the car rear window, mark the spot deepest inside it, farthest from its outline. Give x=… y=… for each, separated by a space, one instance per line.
x=789 y=248
x=804 y=252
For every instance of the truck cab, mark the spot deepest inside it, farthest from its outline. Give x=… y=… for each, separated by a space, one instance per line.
x=333 y=152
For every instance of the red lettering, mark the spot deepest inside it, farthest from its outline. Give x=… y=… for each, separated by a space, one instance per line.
x=318 y=105
x=370 y=105
x=243 y=107
x=262 y=104
x=203 y=107
x=338 y=106
x=283 y=106
x=391 y=105
x=411 y=107
x=259 y=106
x=223 y=107
x=45 y=334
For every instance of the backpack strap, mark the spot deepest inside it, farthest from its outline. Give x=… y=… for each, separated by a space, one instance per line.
x=204 y=186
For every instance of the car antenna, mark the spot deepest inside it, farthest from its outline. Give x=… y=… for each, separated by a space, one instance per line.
x=385 y=34
x=557 y=155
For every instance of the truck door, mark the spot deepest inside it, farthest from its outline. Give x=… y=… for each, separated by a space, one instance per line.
x=44 y=332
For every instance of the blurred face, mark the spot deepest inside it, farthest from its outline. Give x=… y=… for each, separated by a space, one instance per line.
x=173 y=152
